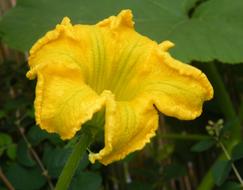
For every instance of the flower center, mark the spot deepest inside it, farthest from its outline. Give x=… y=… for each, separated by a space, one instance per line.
x=116 y=66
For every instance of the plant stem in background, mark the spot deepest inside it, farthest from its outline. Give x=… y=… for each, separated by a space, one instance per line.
x=73 y=161
x=227 y=108
x=233 y=165
x=38 y=160
x=5 y=180
x=32 y=150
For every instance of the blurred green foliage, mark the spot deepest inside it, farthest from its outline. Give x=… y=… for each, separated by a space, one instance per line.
x=202 y=30
x=181 y=154
x=7 y=145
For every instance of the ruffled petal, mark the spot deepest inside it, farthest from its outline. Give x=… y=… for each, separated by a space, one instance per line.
x=63 y=99
x=60 y=60
x=63 y=102
x=61 y=45
x=177 y=89
x=129 y=126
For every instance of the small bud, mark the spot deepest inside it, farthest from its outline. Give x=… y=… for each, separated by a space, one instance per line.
x=210 y=122
x=211 y=132
x=220 y=122
x=208 y=127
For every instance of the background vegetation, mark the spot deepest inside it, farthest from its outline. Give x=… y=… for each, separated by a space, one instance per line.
x=203 y=154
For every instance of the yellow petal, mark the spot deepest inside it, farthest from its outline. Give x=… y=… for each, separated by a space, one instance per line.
x=63 y=102
x=129 y=126
x=63 y=99
x=59 y=46
x=177 y=89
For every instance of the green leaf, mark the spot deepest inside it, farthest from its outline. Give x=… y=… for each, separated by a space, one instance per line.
x=203 y=145
x=23 y=154
x=12 y=151
x=237 y=152
x=5 y=142
x=86 y=181
x=7 y=145
x=36 y=135
x=220 y=171
x=22 y=178
x=213 y=30
x=55 y=159
x=5 y=139
x=230 y=186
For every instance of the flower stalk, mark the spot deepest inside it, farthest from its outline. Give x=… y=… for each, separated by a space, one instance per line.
x=73 y=161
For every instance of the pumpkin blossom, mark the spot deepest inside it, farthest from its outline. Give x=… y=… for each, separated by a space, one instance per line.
x=82 y=69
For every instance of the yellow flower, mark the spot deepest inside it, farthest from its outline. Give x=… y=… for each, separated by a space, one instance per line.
x=84 y=68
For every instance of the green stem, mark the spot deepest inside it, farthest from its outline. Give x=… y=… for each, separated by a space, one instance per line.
x=233 y=165
x=227 y=108
x=73 y=162
x=237 y=174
